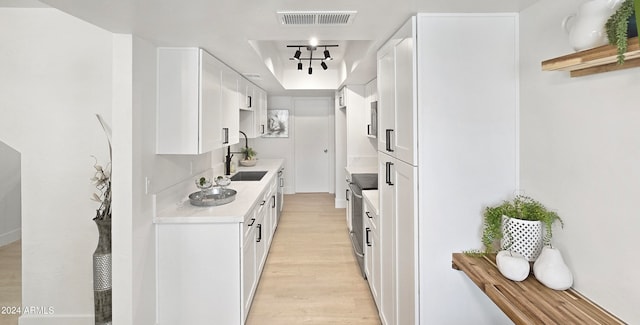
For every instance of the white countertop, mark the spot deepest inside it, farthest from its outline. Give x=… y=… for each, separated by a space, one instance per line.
x=373 y=198
x=172 y=206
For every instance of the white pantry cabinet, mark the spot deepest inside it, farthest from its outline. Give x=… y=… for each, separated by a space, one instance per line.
x=397 y=123
x=189 y=94
x=448 y=122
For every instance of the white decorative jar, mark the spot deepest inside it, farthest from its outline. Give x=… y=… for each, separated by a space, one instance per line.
x=522 y=236
x=586 y=27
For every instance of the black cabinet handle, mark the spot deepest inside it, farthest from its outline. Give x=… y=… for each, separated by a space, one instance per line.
x=249 y=101
x=226 y=135
x=388 y=173
x=253 y=220
x=368 y=230
x=346 y=194
x=259 y=232
x=273 y=205
x=263 y=202
x=262 y=131
x=368 y=129
x=388 y=139
x=368 y=215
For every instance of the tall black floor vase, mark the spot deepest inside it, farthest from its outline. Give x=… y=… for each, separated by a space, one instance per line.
x=102 y=273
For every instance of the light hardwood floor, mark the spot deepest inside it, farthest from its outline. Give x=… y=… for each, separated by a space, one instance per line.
x=311 y=275
x=10 y=281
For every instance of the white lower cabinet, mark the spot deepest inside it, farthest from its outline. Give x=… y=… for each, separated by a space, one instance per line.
x=199 y=273
x=208 y=272
x=371 y=249
x=398 y=190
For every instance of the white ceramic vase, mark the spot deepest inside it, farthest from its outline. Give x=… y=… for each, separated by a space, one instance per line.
x=513 y=265
x=522 y=236
x=586 y=27
x=551 y=270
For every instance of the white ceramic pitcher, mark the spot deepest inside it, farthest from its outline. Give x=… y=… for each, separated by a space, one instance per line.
x=586 y=27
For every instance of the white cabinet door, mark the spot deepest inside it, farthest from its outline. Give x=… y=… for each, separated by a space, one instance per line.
x=230 y=114
x=386 y=99
x=386 y=189
x=404 y=135
x=210 y=100
x=248 y=267
x=372 y=251
x=261 y=237
x=406 y=284
x=189 y=94
x=254 y=122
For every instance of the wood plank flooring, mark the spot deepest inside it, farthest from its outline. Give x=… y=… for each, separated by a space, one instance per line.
x=10 y=280
x=311 y=275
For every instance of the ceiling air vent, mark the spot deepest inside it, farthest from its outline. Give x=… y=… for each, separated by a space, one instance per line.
x=316 y=17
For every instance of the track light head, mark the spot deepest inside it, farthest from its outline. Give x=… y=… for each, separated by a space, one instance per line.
x=323 y=65
x=299 y=65
x=297 y=54
x=327 y=56
x=310 y=70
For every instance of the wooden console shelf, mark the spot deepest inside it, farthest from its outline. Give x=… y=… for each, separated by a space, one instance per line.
x=530 y=302
x=596 y=60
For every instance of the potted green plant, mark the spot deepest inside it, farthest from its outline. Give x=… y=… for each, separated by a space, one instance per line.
x=522 y=224
x=249 y=157
x=618 y=26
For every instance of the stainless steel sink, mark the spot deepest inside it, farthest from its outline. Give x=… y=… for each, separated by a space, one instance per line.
x=213 y=196
x=248 y=176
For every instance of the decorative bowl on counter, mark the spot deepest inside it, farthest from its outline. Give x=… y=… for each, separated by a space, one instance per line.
x=248 y=163
x=217 y=195
x=223 y=181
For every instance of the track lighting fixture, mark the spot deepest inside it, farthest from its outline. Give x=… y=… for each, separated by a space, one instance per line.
x=310 y=49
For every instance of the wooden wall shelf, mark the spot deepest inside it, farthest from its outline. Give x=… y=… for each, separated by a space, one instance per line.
x=596 y=60
x=530 y=302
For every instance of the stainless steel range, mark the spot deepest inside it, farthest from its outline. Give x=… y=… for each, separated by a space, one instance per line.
x=359 y=182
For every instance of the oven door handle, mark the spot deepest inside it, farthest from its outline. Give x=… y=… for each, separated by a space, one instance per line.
x=354 y=192
x=353 y=244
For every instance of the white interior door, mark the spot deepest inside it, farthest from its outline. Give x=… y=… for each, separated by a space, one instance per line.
x=311 y=137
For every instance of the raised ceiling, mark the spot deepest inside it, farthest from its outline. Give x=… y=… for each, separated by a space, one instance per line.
x=237 y=31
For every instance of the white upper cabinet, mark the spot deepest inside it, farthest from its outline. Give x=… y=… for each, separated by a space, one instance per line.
x=397 y=109
x=253 y=120
x=230 y=114
x=189 y=95
x=371 y=108
x=191 y=116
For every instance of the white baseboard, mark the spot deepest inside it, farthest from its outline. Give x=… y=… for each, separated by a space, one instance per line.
x=10 y=237
x=340 y=203
x=53 y=319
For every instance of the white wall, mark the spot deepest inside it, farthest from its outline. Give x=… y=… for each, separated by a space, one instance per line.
x=282 y=147
x=56 y=74
x=579 y=155
x=10 y=194
x=467 y=143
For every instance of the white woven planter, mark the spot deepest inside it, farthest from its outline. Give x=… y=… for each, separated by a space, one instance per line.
x=522 y=236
